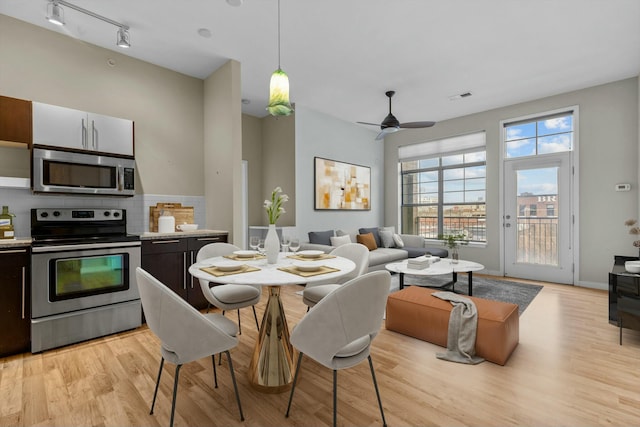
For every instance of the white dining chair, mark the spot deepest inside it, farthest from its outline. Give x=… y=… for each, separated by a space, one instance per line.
x=356 y=252
x=339 y=330
x=228 y=297
x=186 y=334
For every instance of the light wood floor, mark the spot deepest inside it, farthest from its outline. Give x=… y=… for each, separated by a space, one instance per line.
x=567 y=370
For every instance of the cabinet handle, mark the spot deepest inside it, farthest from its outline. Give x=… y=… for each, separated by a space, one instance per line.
x=84 y=135
x=207 y=239
x=14 y=251
x=94 y=135
x=192 y=253
x=23 y=289
x=184 y=274
x=162 y=242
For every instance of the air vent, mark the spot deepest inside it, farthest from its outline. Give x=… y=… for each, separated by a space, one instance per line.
x=460 y=96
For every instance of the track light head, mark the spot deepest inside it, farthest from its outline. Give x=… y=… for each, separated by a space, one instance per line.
x=55 y=13
x=123 y=38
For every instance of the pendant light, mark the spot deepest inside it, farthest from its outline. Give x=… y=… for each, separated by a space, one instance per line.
x=279 y=104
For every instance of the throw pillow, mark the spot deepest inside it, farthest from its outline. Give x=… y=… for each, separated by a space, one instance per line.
x=398 y=240
x=387 y=239
x=392 y=229
x=340 y=240
x=374 y=231
x=344 y=233
x=368 y=240
x=321 y=237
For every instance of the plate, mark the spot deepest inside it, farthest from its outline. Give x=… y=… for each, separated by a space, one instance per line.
x=245 y=254
x=227 y=266
x=307 y=266
x=310 y=254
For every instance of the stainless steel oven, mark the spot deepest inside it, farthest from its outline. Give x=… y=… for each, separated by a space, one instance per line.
x=83 y=276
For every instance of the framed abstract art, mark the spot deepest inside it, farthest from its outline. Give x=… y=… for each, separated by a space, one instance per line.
x=341 y=186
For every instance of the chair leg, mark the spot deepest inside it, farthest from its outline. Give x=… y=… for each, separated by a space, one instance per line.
x=293 y=386
x=215 y=374
x=335 y=398
x=375 y=384
x=239 y=324
x=235 y=385
x=175 y=393
x=255 y=316
x=220 y=360
x=155 y=393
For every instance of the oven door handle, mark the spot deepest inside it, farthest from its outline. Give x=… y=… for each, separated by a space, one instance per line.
x=60 y=248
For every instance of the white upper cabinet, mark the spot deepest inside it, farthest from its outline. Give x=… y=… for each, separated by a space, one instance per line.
x=68 y=128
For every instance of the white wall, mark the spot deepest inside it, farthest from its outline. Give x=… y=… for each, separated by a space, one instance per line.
x=320 y=135
x=608 y=154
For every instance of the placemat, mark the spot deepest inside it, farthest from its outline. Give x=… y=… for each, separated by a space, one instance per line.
x=244 y=258
x=323 y=270
x=214 y=271
x=309 y=258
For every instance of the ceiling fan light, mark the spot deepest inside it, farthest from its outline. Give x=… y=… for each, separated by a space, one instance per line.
x=279 y=104
x=55 y=13
x=123 y=38
x=390 y=129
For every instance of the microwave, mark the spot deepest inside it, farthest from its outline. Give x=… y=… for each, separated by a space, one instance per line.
x=74 y=172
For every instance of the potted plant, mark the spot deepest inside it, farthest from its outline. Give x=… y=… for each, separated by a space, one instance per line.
x=453 y=241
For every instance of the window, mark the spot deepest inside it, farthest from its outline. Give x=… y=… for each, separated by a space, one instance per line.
x=551 y=134
x=551 y=210
x=533 y=210
x=443 y=187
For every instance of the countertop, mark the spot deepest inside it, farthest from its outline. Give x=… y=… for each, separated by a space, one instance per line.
x=12 y=243
x=178 y=234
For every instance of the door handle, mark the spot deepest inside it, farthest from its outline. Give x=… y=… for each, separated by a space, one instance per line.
x=507 y=225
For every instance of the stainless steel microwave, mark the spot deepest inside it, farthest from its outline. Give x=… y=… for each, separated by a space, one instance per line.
x=72 y=172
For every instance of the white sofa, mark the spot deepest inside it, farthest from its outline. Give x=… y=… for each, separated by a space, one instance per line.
x=413 y=246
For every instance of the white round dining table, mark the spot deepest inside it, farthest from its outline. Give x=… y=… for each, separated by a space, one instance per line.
x=272 y=368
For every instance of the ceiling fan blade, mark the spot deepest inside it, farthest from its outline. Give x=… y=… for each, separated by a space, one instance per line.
x=416 y=125
x=372 y=124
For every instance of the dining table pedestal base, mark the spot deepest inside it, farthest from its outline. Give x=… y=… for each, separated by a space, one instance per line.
x=272 y=368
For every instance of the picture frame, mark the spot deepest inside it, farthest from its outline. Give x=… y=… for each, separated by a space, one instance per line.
x=341 y=186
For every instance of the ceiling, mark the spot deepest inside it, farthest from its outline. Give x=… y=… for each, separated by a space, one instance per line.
x=342 y=55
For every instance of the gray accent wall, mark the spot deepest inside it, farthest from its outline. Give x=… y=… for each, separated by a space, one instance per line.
x=324 y=136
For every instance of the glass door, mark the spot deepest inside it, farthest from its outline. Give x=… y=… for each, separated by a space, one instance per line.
x=537 y=218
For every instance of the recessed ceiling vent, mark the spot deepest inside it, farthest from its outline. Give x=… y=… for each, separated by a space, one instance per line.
x=460 y=96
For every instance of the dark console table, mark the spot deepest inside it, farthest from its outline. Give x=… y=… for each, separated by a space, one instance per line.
x=624 y=296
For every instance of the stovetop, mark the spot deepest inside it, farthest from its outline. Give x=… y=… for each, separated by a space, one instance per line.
x=64 y=226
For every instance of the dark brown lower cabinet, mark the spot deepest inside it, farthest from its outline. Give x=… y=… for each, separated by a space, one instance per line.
x=169 y=260
x=15 y=300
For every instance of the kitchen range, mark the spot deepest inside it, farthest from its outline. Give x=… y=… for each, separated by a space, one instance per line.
x=83 y=275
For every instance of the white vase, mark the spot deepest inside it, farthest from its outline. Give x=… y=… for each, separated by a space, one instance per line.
x=272 y=244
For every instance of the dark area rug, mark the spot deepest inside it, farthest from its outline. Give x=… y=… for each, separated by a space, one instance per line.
x=497 y=290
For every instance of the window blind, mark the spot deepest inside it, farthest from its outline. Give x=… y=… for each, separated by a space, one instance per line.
x=455 y=144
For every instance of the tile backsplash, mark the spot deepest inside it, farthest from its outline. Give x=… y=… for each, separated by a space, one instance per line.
x=21 y=201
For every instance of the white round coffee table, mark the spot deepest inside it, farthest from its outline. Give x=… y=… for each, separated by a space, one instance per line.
x=444 y=266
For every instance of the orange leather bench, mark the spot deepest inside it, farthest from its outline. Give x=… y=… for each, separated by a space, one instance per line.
x=413 y=311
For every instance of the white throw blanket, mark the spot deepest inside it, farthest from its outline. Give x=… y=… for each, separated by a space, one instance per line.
x=463 y=324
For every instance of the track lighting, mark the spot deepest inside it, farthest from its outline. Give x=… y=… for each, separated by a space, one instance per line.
x=55 y=15
x=123 y=38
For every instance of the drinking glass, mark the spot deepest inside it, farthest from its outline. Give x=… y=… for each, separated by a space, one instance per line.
x=294 y=245
x=285 y=243
x=253 y=242
x=261 y=246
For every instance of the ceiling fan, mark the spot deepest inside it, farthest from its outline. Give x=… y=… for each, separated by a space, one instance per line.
x=391 y=124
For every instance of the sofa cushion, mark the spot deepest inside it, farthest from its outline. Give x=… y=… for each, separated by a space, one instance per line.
x=374 y=231
x=340 y=240
x=320 y=237
x=386 y=237
x=398 y=241
x=383 y=256
x=368 y=240
x=351 y=235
